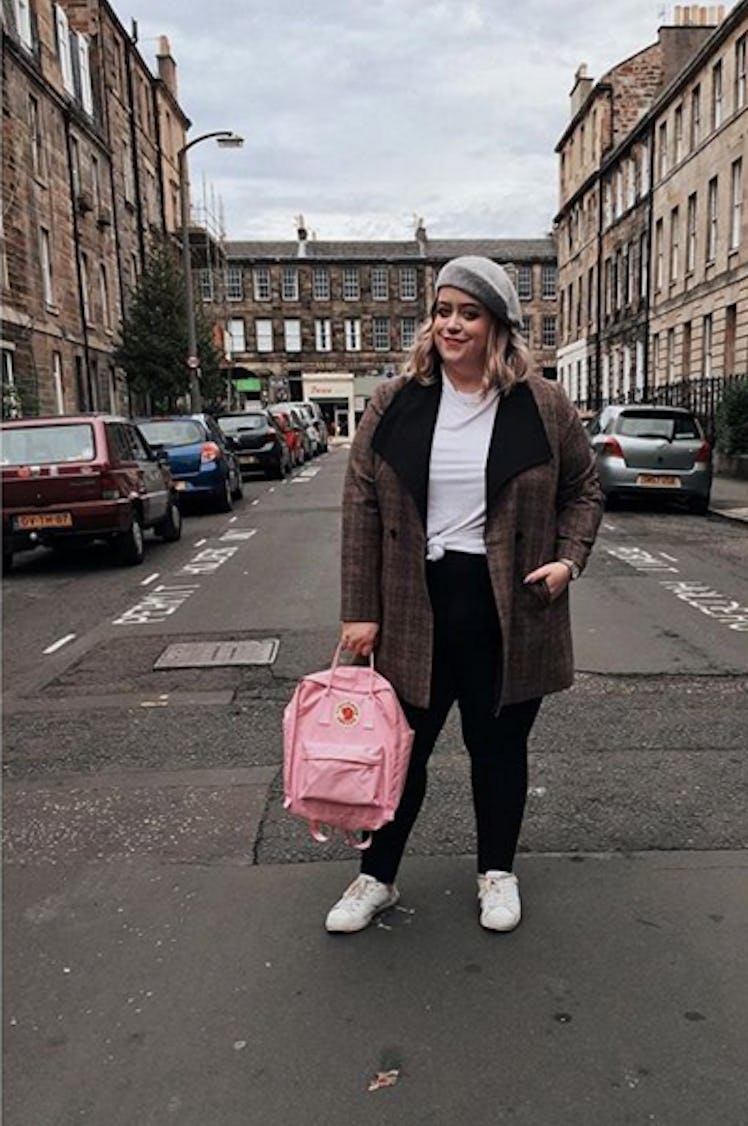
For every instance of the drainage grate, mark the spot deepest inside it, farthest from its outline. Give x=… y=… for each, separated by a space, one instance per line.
x=217 y=654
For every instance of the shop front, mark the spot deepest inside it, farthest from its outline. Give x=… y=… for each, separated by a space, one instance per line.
x=334 y=393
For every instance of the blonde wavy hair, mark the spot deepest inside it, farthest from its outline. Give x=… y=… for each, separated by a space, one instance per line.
x=508 y=357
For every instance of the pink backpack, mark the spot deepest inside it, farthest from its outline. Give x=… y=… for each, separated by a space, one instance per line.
x=346 y=746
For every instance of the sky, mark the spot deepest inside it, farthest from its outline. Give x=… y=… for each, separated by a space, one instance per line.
x=364 y=114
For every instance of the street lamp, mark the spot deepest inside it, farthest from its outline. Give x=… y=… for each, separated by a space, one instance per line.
x=229 y=140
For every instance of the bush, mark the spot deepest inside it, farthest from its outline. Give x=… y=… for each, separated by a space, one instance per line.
x=731 y=422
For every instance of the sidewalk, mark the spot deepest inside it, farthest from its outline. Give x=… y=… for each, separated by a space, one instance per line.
x=149 y=993
x=730 y=498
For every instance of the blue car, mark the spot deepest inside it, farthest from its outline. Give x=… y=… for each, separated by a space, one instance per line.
x=200 y=461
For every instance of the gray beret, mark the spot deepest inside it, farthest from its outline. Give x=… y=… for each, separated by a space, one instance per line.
x=486 y=280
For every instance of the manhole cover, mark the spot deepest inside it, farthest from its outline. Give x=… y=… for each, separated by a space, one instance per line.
x=217 y=654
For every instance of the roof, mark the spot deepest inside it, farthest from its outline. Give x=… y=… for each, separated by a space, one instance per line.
x=434 y=250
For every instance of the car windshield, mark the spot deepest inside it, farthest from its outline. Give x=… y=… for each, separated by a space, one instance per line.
x=45 y=445
x=232 y=424
x=657 y=425
x=169 y=432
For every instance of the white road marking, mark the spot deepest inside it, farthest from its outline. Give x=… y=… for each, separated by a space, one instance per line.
x=271 y=489
x=702 y=597
x=610 y=527
x=254 y=502
x=670 y=557
x=238 y=534
x=199 y=543
x=157 y=605
x=232 y=519
x=208 y=560
x=151 y=578
x=59 y=643
x=640 y=559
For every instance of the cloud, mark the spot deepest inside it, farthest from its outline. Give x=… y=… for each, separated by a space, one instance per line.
x=361 y=114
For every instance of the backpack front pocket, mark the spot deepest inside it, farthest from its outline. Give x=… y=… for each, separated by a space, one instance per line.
x=348 y=776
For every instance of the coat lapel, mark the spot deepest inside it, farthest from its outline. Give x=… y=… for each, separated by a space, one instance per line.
x=404 y=436
x=405 y=433
x=518 y=441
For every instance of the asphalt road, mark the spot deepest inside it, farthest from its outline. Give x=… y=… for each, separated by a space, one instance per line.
x=164 y=954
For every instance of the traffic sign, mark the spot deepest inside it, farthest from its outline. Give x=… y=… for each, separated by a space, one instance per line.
x=193 y=362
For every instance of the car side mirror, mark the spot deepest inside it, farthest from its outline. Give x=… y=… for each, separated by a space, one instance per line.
x=162 y=457
x=229 y=442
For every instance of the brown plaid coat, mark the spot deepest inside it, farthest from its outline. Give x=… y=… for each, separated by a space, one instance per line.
x=543 y=503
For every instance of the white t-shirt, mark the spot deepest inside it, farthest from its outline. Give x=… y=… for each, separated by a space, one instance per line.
x=457 y=473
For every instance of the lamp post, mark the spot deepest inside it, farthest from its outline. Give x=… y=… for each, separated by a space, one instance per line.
x=226 y=139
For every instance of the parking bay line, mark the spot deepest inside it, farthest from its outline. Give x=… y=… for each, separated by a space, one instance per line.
x=60 y=642
x=151 y=579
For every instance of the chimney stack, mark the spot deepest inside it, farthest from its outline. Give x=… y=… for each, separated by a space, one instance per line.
x=698 y=15
x=581 y=88
x=167 y=68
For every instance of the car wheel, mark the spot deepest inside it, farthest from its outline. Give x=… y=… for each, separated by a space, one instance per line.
x=225 y=499
x=238 y=492
x=170 y=528
x=699 y=505
x=129 y=545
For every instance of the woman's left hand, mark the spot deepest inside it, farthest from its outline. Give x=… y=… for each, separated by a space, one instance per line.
x=557 y=577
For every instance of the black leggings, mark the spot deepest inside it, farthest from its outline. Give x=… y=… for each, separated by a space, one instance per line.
x=467 y=655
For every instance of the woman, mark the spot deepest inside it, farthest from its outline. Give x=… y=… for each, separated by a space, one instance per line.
x=470 y=503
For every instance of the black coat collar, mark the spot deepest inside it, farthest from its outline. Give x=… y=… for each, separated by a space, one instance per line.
x=405 y=432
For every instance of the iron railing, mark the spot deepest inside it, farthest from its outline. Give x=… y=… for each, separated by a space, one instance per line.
x=700 y=395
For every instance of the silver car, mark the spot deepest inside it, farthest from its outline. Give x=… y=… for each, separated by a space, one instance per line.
x=642 y=449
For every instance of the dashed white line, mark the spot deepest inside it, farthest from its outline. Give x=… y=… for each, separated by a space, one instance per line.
x=59 y=643
x=199 y=543
x=232 y=519
x=151 y=579
x=670 y=557
x=254 y=502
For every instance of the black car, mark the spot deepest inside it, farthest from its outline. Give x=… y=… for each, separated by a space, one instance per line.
x=258 y=442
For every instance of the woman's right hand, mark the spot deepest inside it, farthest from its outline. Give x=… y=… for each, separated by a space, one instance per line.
x=359 y=637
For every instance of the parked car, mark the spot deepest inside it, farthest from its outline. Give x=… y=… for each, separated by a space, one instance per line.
x=258 y=442
x=200 y=460
x=294 y=433
x=73 y=479
x=643 y=449
x=314 y=419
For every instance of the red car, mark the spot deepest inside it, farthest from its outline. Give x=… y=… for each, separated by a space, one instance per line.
x=293 y=433
x=72 y=479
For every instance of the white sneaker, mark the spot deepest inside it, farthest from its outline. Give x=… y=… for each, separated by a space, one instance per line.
x=500 y=908
x=359 y=903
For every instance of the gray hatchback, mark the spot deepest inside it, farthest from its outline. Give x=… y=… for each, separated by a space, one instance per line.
x=642 y=449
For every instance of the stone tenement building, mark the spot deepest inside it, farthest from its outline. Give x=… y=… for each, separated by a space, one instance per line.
x=327 y=320
x=652 y=246
x=89 y=178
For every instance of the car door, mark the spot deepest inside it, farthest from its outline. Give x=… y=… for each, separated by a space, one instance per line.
x=153 y=490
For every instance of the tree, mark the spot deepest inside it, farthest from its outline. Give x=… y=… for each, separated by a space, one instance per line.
x=153 y=348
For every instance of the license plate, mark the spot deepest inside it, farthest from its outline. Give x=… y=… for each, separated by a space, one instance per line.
x=659 y=481
x=248 y=459
x=48 y=520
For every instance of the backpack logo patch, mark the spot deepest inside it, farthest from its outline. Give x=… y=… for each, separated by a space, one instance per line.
x=347 y=714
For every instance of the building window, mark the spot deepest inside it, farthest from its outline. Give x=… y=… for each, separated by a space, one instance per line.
x=95 y=185
x=408 y=284
x=643 y=266
x=669 y=355
x=674 y=245
x=607 y=204
x=731 y=314
x=106 y=312
x=63 y=48
x=707 y=345
x=549 y=332
x=659 y=264
x=37 y=143
x=237 y=339
x=407 y=332
x=128 y=174
x=57 y=382
x=22 y=15
x=711 y=229
x=292 y=335
x=321 y=284
x=380 y=289
x=264 y=334
x=351 y=285
x=205 y=282
x=686 y=351
x=662 y=153
x=548 y=282
x=85 y=295
x=678 y=134
x=619 y=191
x=75 y=165
x=524 y=282
x=46 y=264
x=695 y=117
x=736 y=209
x=134 y=270
x=526 y=329
x=740 y=73
x=322 y=335
x=717 y=106
x=691 y=234
x=591 y=291
x=352 y=334
x=232 y=279
x=82 y=74
x=381 y=334
x=261 y=284
x=290 y=284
